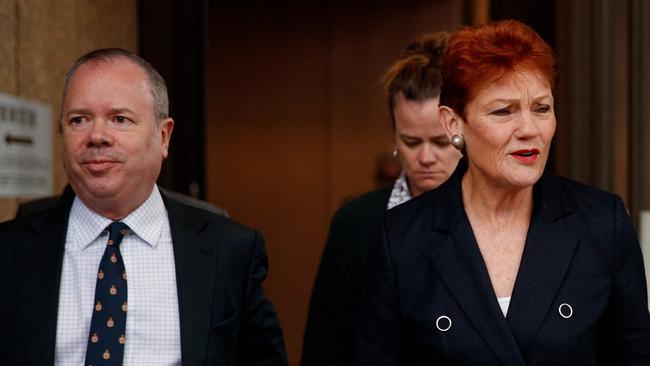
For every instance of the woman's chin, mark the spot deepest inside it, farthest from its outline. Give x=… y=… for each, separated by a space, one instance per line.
x=523 y=181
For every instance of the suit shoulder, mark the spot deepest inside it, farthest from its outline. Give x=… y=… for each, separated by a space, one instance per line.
x=412 y=209
x=223 y=228
x=24 y=225
x=12 y=226
x=581 y=188
x=193 y=202
x=584 y=196
x=589 y=213
x=366 y=206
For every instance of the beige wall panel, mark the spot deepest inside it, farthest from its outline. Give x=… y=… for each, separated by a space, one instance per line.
x=42 y=38
x=45 y=35
x=107 y=23
x=7 y=209
x=46 y=40
x=7 y=45
x=7 y=73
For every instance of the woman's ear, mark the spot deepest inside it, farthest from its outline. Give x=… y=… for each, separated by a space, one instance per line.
x=451 y=122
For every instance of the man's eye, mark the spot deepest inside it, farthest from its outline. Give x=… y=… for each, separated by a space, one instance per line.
x=543 y=108
x=121 y=119
x=77 y=120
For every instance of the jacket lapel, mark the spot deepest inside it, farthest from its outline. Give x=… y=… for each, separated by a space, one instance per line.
x=195 y=277
x=459 y=263
x=548 y=253
x=38 y=264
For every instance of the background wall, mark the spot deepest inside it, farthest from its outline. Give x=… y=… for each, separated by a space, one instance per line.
x=603 y=110
x=295 y=119
x=40 y=39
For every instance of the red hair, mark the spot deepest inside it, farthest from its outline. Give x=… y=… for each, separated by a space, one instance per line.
x=482 y=54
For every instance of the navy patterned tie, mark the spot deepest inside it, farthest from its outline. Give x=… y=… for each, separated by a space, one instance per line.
x=108 y=325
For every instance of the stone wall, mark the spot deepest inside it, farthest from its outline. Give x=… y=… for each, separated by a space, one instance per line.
x=40 y=39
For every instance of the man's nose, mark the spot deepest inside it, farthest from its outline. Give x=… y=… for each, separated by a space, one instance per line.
x=99 y=134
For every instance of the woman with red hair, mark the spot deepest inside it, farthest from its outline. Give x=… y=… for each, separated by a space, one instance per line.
x=504 y=264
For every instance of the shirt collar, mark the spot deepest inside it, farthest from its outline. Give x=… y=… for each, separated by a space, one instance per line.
x=400 y=193
x=146 y=221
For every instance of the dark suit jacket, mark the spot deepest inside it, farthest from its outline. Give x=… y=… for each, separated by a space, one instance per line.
x=220 y=265
x=330 y=334
x=48 y=203
x=581 y=250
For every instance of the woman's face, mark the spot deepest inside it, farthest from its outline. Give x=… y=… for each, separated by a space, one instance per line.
x=508 y=130
x=424 y=150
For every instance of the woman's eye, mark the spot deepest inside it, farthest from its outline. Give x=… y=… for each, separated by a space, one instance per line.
x=501 y=112
x=543 y=108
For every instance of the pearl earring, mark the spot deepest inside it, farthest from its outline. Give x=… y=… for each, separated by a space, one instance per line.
x=458 y=142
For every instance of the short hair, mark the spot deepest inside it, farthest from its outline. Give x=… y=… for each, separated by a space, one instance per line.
x=417 y=73
x=481 y=54
x=107 y=55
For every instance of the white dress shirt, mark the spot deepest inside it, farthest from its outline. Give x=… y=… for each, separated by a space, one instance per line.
x=152 y=322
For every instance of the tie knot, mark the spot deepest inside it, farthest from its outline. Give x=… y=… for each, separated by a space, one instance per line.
x=117 y=230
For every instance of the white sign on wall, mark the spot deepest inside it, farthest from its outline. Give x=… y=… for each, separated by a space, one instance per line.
x=25 y=147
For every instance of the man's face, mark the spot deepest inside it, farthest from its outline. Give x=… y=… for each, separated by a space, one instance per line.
x=113 y=144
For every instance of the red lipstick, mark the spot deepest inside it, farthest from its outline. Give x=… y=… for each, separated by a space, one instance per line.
x=528 y=156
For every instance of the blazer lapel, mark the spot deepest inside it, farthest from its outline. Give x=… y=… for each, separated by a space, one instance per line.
x=38 y=264
x=548 y=253
x=459 y=263
x=195 y=277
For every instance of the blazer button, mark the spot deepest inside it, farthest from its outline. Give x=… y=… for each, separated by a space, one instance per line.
x=565 y=310
x=443 y=323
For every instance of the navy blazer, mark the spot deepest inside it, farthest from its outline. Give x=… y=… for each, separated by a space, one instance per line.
x=225 y=317
x=428 y=298
x=330 y=333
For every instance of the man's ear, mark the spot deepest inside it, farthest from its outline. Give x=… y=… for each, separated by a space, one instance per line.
x=165 y=128
x=451 y=122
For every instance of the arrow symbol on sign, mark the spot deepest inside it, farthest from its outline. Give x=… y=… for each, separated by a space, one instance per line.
x=18 y=140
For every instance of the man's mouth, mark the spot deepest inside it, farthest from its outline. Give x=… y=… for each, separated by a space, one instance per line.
x=97 y=166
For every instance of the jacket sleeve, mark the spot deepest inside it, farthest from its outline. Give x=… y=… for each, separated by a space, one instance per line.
x=8 y=302
x=629 y=303
x=261 y=341
x=380 y=338
x=330 y=333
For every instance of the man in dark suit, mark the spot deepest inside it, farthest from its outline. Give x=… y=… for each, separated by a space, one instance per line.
x=118 y=273
x=46 y=203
